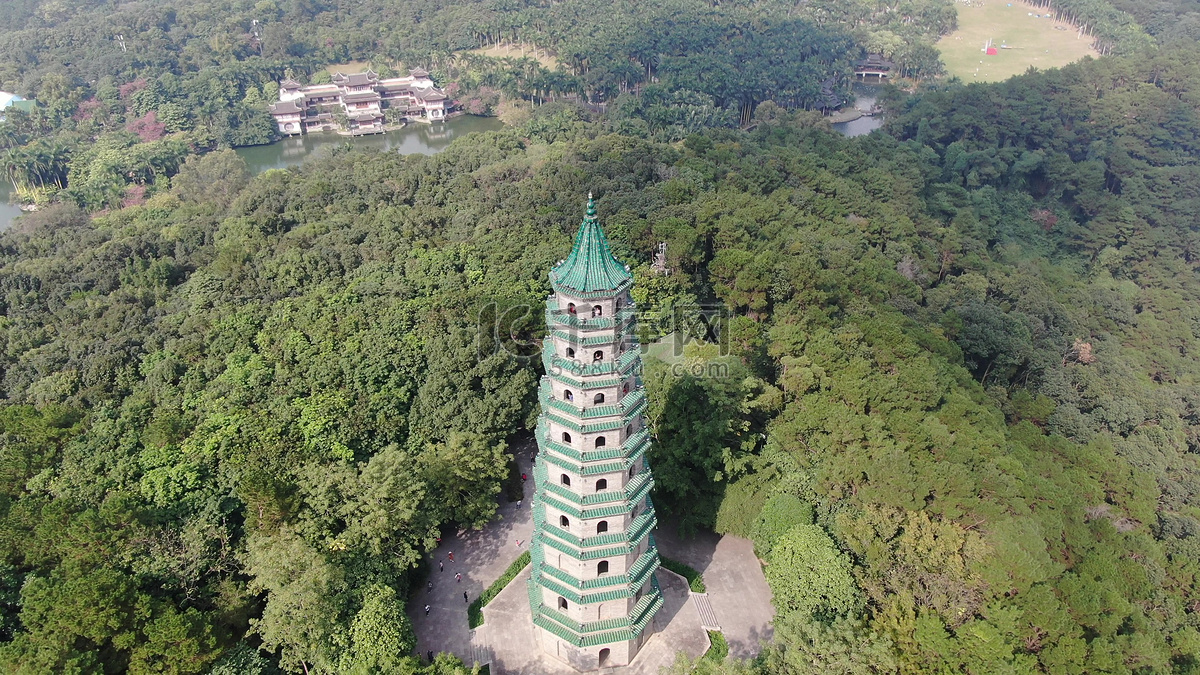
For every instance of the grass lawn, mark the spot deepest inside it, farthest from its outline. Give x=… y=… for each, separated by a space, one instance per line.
x=663 y=349
x=351 y=67
x=517 y=51
x=1034 y=42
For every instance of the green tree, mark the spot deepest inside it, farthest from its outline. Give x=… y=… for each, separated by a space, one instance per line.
x=465 y=472
x=845 y=646
x=304 y=592
x=214 y=178
x=380 y=635
x=810 y=576
x=780 y=513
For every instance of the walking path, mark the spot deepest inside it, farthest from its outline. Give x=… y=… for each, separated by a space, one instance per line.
x=481 y=557
x=737 y=589
x=738 y=599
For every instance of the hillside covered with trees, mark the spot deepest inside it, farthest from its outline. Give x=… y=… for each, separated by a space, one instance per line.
x=957 y=408
x=959 y=419
x=126 y=90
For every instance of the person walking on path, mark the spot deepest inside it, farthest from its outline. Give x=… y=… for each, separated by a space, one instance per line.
x=426 y=610
x=430 y=655
x=451 y=556
x=465 y=596
x=441 y=566
x=457 y=577
x=518 y=504
x=524 y=478
x=430 y=588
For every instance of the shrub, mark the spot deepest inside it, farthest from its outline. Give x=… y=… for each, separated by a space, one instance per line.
x=808 y=574
x=780 y=513
x=741 y=504
x=475 y=610
x=695 y=581
x=719 y=649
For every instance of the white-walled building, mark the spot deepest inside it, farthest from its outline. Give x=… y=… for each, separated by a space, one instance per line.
x=362 y=97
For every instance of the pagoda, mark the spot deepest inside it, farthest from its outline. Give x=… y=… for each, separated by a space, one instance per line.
x=592 y=589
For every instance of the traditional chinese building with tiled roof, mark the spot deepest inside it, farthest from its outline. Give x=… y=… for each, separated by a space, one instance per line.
x=362 y=97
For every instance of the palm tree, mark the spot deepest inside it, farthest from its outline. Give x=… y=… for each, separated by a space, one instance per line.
x=9 y=136
x=59 y=156
x=14 y=163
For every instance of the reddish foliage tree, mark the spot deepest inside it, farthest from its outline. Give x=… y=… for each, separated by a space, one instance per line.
x=86 y=109
x=1044 y=218
x=148 y=128
x=134 y=195
x=130 y=88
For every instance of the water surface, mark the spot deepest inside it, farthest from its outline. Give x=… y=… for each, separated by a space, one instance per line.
x=414 y=138
x=8 y=211
x=864 y=99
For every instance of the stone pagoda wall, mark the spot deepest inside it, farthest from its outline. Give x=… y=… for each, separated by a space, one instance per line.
x=592 y=547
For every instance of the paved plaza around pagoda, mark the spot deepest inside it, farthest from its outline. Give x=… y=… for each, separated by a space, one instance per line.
x=737 y=591
x=507 y=634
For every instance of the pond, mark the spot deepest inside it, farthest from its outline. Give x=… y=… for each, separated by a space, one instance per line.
x=414 y=138
x=8 y=210
x=426 y=139
x=865 y=95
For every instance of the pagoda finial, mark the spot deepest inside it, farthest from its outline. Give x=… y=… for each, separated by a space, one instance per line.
x=591 y=267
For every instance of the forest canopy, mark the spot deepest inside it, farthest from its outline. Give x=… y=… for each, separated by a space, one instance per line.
x=955 y=405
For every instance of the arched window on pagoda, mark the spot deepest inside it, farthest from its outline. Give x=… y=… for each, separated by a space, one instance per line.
x=567 y=395
x=602 y=527
x=562 y=603
x=601 y=441
x=598 y=398
x=566 y=438
x=601 y=484
x=597 y=310
x=597 y=356
x=602 y=567
x=562 y=521
x=628 y=431
x=632 y=470
x=570 y=353
x=570 y=308
x=564 y=479
x=625 y=388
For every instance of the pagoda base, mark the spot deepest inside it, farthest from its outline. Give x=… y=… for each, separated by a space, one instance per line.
x=513 y=645
x=595 y=657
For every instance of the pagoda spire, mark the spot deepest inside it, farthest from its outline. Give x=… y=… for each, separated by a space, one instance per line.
x=591 y=267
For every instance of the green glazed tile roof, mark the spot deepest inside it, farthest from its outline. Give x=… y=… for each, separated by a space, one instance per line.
x=597 y=632
x=591 y=266
x=625 y=320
